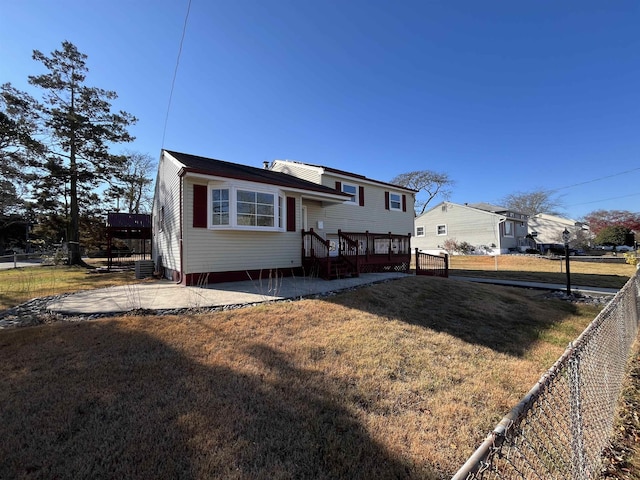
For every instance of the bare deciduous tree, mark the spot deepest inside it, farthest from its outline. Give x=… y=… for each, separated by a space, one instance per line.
x=534 y=202
x=425 y=182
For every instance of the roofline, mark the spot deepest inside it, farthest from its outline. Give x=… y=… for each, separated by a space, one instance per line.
x=337 y=196
x=341 y=173
x=469 y=207
x=318 y=190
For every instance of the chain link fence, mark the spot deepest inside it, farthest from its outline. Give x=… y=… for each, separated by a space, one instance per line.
x=561 y=427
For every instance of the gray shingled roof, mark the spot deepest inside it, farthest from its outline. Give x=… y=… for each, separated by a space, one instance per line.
x=220 y=168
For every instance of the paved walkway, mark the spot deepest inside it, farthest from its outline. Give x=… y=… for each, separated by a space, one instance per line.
x=160 y=295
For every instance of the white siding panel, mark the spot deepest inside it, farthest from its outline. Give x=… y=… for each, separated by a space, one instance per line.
x=372 y=217
x=207 y=250
x=166 y=236
x=463 y=225
x=311 y=174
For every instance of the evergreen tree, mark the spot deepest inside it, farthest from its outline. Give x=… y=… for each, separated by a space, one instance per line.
x=79 y=127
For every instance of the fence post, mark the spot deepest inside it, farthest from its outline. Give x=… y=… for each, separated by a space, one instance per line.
x=446 y=265
x=578 y=461
x=15 y=260
x=417 y=263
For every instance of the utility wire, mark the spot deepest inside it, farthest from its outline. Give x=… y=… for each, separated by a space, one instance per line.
x=606 y=199
x=596 y=180
x=175 y=72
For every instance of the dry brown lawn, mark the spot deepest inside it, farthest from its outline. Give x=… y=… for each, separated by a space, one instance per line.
x=396 y=380
x=542 y=269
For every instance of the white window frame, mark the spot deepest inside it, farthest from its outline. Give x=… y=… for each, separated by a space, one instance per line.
x=210 y=207
x=279 y=206
x=354 y=195
x=418 y=231
x=444 y=226
x=392 y=201
x=509 y=228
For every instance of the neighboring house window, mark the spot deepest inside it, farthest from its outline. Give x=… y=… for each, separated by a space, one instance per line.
x=280 y=207
x=220 y=206
x=395 y=201
x=441 y=229
x=508 y=228
x=419 y=231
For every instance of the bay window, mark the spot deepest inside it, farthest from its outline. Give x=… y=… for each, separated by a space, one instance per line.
x=246 y=208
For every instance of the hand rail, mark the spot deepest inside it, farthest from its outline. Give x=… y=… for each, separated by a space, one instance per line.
x=350 y=254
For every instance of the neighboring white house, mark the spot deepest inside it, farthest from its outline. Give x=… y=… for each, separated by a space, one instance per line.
x=218 y=221
x=487 y=228
x=547 y=230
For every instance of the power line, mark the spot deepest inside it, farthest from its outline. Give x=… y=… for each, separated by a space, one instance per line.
x=175 y=72
x=596 y=180
x=606 y=199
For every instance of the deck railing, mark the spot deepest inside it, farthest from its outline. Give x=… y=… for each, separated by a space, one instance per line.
x=434 y=265
x=348 y=250
x=316 y=249
x=389 y=244
x=363 y=252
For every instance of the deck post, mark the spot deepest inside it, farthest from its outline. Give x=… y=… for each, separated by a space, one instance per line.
x=366 y=252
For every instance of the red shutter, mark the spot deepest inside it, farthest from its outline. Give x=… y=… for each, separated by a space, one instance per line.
x=291 y=214
x=361 y=195
x=386 y=200
x=339 y=186
x=404 y=203
x=200 y=206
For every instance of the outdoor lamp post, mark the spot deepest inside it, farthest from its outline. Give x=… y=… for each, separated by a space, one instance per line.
x=566 y=235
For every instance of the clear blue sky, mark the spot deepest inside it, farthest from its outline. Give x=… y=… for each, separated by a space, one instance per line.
x=504 y=96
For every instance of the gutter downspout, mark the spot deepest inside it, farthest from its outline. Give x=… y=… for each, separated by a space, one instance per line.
x=181 y=269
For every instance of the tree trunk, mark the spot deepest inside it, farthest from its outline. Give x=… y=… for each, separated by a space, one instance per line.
x=74 y=234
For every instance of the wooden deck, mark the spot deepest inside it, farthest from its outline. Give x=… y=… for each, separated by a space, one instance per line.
x=355 y=253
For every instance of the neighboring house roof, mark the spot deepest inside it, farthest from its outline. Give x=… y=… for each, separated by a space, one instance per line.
x=488 y=207
x=496 y=211
x=347 y=174
x=220 y=168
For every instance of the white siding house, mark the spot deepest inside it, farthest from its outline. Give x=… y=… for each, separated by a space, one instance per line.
x=547 y=230
x=487 y=228
x=219 y=221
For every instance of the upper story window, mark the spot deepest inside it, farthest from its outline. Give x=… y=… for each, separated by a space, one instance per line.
x=441 y=230
x=419 y=231
x=244 y=208
x=351 y=190
x=395 y=201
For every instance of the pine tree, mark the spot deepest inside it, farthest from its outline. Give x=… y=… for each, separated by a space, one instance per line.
x=79 y=127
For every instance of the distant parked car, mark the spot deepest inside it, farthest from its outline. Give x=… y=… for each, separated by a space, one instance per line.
x=624 y=248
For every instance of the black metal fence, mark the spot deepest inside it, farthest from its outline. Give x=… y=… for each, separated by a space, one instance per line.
x=433 y=265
